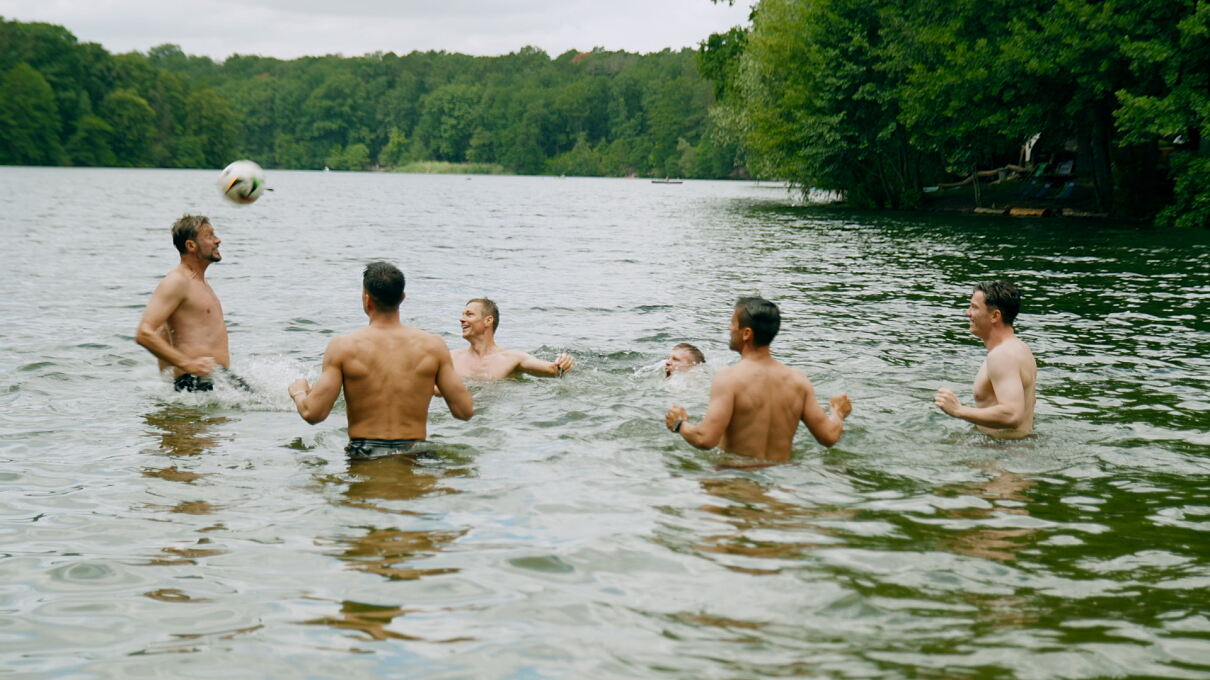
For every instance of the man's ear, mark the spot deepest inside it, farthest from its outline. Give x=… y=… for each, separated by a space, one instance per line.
x=747 y=334
x=995 y=314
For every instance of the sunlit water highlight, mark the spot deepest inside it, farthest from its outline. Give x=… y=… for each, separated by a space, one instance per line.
x=563 y=532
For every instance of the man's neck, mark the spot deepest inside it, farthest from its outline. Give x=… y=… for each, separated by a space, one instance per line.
x=384 y=319
x=998 y=336
x=482 y=345
x=750 y=352
x=196 y=267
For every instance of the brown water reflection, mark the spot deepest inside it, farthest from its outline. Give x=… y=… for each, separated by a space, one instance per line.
x=749 y=507
x=182 y=431
x=387 y=550
x=381 y=550
x=1001 y=545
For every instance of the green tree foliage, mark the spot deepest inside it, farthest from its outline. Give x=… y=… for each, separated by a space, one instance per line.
x=597 y=112
x=210 y=119
x=134 y=120
x=90 y=144
x=878 y=98
x=29 y=118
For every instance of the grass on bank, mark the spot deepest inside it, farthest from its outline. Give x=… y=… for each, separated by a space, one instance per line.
x=444 y=168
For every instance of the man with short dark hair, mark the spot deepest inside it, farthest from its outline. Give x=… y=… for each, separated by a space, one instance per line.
x=388 y=372
x=756 y=405
x=1004 y=387
x=485 y=360
x=682 y=358
x=183 y=323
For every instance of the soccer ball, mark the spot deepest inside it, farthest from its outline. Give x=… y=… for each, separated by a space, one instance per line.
x=242 y=182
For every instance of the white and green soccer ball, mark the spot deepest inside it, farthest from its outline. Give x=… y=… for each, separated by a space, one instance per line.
x=242 y=182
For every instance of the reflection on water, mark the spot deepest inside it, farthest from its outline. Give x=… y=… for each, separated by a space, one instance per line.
x=983 y=542
x=386 y=550
x=373 y=620
x=767 y=529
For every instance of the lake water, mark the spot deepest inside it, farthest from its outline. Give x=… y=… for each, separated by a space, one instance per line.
x=563 y=532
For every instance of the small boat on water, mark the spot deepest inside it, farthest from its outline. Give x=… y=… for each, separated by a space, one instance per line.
x=667 y=181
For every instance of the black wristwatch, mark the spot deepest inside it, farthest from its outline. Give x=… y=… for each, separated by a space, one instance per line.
x=676 y=427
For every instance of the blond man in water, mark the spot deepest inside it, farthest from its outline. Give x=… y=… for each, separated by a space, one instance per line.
x=757 y=404
x=1004 y=385
x=682 y=358
x=485 y=360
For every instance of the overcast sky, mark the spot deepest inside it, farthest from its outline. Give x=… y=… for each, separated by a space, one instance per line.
x=293 y=28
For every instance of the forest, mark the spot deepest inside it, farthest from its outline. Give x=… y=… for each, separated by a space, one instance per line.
x=880 y=100
x=594 y=113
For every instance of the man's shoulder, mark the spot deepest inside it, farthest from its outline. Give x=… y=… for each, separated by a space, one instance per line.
x=176 y=277
x=1014 y=349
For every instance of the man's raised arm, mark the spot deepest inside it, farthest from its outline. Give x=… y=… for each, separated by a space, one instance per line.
x=1009 y=411
x=547 y=369
x=824 y=427
x=709 y=432
x=315 y=403
x=168 y=296
x=450 y=387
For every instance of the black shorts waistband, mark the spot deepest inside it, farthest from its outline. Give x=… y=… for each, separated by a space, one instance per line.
x=370 y=449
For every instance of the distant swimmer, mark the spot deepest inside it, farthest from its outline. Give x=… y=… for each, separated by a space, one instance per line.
x=682 y=358
x=1004 y=386
x=183 y=324
x=388 y=372
x=756 y=405
x=485 y=360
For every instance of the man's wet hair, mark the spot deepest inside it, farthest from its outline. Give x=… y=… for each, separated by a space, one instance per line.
x=489 y=309
x=384 y=283
x=694 y=352
x=185 y=229
x=762 y=316
x=1003 y=296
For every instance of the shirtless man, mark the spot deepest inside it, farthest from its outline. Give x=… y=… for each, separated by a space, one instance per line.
x=183 y=324
x=388 y=372
x=756 y=405
x=1004 y=386
x=682 y=358
x=485 y=360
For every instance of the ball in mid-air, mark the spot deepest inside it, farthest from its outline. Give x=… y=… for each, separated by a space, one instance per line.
x=242 y=182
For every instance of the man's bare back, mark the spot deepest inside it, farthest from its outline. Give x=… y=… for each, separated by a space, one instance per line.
x=756 y=405
x=387 y=371
x=388 y=376
x=768 y=400
x=183 y=323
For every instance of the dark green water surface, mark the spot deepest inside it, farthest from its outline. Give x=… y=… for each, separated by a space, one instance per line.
x=563 y=532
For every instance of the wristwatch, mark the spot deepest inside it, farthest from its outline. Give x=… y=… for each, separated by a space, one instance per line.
x=676 y=427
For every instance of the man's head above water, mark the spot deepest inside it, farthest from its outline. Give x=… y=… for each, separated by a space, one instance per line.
x=682 y=358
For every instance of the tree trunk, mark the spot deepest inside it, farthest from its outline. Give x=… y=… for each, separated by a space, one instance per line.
x=1101 y=141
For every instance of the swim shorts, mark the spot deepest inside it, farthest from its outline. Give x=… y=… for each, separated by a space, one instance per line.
x=373 y=449
x=188 y=382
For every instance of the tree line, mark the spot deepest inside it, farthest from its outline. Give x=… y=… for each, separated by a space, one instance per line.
x=597 y=113
x=880 y=98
